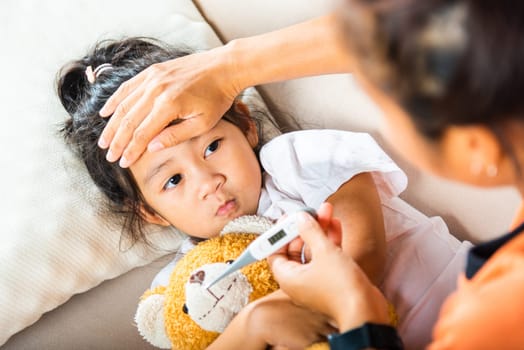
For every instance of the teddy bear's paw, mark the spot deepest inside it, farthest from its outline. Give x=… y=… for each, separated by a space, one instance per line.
x=248 y=223
x=149 y=319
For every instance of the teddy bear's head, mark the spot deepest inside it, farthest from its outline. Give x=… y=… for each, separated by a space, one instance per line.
x=212 y=308
x=183 y=314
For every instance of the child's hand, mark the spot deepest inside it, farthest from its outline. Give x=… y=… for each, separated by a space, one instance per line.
x=280 y=322
x=331 y=283
x=193 y=89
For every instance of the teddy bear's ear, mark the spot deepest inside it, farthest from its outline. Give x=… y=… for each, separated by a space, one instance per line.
x=149 y=319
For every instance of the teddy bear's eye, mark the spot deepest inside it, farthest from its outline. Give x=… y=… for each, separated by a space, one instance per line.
x=184 y=309
x=229 y=261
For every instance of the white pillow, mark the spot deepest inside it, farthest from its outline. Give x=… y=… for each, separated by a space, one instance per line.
x=55 y=242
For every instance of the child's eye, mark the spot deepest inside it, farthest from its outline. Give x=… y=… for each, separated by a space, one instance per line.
x=213 y=146
x=173 y=181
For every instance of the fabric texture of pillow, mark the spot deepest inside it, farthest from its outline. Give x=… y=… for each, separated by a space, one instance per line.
x=55 y=241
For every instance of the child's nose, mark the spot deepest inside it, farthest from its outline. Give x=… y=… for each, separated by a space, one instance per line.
x=210 y=184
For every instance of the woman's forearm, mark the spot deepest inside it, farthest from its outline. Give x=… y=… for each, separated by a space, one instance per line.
x=305 y=49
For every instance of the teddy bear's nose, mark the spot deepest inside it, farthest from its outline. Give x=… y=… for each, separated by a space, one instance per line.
x=197 y=277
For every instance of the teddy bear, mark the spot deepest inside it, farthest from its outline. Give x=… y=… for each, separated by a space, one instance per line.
x=183 y=315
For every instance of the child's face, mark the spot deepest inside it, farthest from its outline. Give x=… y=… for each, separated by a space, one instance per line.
x=201 y=184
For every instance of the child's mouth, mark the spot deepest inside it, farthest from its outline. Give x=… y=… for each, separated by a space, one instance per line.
x=227 y=208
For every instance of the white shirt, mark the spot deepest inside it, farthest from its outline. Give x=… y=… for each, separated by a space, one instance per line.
x=304 y=168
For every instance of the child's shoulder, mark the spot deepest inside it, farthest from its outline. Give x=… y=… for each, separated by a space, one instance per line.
x=312 y=156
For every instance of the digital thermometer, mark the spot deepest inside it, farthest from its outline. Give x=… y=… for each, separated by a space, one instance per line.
x=266 y=244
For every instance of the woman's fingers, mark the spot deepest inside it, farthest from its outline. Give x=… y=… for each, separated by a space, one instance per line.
x=311 y=234
x=138 y=100
x=324 y=215
x=288 y=270
x=149 y=129
x=311 y=230
x=128 y=107
x=122 y=93
x=189 y=126
x=127 y=127
x=190 y=89
x=113 y=124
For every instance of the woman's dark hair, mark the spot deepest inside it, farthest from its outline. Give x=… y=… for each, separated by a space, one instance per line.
x=83 y=99
x=447 y=62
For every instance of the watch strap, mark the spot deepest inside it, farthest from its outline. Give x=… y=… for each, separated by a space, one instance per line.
x=369 y=335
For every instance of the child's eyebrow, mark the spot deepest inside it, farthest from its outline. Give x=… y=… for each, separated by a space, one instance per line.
x=154 y=171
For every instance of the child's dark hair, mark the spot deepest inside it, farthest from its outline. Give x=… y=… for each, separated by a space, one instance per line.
x=83 y=99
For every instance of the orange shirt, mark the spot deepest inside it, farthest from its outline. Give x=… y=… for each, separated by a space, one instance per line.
x=486 y=311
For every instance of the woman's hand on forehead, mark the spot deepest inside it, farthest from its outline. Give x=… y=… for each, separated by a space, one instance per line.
x=190 y=88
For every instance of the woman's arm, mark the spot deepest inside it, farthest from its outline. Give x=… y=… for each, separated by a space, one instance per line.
x=199 y=88
x=305 y=49
x=273 y=320
x=357 y=205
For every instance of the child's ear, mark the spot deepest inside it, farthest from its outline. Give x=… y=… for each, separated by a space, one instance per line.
x=251 y=130
x=152 y=218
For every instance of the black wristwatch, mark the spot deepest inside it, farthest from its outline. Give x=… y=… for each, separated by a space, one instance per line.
x=369 y=335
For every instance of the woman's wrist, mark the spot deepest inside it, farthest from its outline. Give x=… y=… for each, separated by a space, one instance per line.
x=222 y=64
x=238 y=66
x=371 y=306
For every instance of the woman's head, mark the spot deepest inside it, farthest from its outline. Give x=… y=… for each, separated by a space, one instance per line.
x=448 y=65
x=85 y=85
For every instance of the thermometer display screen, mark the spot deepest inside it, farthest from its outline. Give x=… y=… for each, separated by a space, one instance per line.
x=276 y=237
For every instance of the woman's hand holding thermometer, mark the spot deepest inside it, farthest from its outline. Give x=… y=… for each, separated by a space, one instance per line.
x=266 y=244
